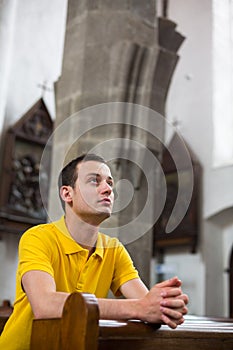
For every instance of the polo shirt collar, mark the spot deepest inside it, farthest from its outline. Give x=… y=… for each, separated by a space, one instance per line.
x=70 y=245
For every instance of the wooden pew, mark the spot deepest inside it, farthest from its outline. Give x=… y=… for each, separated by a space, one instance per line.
x=3 y=320
x=76 y=329
x=5 y=311
x=82 y=330
x=195 y=334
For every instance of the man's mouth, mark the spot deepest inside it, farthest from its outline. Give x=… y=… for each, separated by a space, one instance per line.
x=105 y=200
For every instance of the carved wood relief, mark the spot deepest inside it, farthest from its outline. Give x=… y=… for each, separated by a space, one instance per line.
x=20 y=200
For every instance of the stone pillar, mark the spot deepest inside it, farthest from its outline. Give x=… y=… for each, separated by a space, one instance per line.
x=109 y=55
x=112 y=54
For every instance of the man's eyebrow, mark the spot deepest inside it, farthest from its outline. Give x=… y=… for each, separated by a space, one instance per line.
x=92 y=174
x=98 y=175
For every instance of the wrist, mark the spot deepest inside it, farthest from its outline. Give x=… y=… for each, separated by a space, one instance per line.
x=138 y=308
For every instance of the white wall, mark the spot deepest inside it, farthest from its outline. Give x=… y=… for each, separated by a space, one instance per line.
x=31 y=44
x=217 y=245
x=37 y=54
x=8 y=265
x=223 y=82
x=191 y=270
x=7 y=20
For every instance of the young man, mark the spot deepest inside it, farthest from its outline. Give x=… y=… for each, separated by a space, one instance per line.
x=58 y=258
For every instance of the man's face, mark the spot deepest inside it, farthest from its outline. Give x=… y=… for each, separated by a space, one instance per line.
x=93 y=191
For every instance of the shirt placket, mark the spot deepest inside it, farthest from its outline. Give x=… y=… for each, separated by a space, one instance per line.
x=83 y=270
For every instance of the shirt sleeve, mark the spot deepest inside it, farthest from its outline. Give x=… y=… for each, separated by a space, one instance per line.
x=35 y=252
x=124 y=270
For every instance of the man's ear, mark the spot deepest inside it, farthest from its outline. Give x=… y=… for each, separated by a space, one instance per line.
x=66 y=193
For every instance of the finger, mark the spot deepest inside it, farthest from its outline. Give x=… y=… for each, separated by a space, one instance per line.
x=179 y=322
x=182 y=310
x=173 y=303
x=184 y=297
x=171 y=322
x=172 y=282
x=185 y=310
x=171 y=313
x=177 y=304
x=171 y=292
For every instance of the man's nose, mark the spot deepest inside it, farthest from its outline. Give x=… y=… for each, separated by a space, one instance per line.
x=106 y=188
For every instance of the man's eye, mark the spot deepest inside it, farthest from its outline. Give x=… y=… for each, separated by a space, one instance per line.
x=94 y=180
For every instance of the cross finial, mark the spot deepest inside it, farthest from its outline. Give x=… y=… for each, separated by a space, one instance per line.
x=44 y=87
x=176 y=123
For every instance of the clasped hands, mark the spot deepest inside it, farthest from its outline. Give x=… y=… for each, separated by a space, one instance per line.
x=165 y=303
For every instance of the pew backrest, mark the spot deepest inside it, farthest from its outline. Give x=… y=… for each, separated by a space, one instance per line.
x=5 y=312
x=3 y=320
x=76 y=329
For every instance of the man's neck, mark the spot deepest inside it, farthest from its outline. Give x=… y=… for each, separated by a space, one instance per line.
x=82 y=232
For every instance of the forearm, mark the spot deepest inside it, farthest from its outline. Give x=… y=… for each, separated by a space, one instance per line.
x=127 y=308
x=123 y=309
x=157 y=306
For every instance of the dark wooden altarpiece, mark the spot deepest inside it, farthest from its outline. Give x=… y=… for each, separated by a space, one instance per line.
x=187 y=232
x=231 y=283
x=20 y=198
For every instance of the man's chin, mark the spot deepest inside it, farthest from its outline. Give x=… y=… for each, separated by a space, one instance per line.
x=105 y=214
x=97 y=218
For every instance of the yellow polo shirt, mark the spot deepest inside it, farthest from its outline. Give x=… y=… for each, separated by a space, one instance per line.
x=50 y=248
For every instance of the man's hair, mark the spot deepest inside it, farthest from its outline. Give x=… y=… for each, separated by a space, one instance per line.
x=69 y=173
